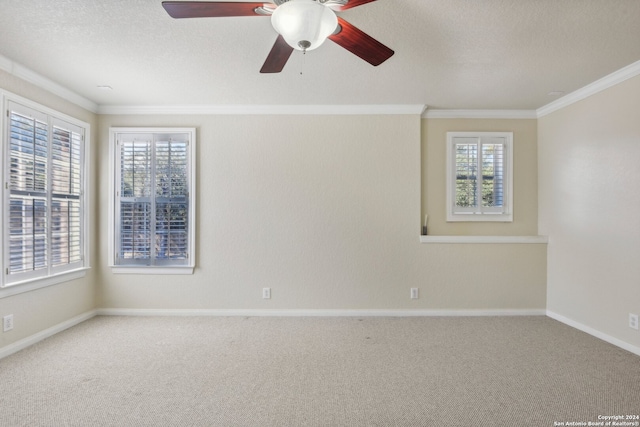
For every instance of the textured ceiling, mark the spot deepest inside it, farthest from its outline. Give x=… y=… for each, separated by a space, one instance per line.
x=449 y=54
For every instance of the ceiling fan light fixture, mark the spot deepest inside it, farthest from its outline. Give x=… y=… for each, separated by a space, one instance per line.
x=304 y=24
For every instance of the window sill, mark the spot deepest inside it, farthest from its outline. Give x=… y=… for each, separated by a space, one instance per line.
x=477 y=217
x=485 y=239
x=32 y=285
x=182 y=270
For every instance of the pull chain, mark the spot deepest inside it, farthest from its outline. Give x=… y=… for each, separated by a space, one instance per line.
x=304 y=62
x=304 y=45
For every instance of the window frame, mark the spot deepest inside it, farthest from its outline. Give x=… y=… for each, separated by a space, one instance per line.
x=114 y=184
x=51 y=275
x=479 y=214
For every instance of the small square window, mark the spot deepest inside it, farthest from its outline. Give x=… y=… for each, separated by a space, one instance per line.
x=479 y=176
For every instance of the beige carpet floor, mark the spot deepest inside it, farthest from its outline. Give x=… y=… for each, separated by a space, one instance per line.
x=263 y=371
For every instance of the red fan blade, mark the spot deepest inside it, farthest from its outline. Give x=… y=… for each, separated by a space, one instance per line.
x=361 y=44
x=278 y=57
x=349 y=5
x=210 y=9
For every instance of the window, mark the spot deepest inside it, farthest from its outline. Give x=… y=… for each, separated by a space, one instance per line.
x=153 y=215
x=479 y=176
x=43 y=199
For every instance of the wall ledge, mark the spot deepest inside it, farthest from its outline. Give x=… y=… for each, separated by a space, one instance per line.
x=486 y=239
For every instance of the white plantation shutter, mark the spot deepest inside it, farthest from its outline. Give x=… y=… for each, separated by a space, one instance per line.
x=492 y=177
x=479 y=176
x=135 y=200
x=172 y=192
x=153 y=207
x=66 y=244
x=466 y=167
x=44 y=191
x=28 y=160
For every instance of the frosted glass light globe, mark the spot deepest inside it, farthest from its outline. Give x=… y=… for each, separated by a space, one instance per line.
x=304 y=24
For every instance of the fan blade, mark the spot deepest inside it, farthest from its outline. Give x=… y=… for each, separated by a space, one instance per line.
x=361 y=44
x=278 y=57
x=349 y=5
x=210 y=9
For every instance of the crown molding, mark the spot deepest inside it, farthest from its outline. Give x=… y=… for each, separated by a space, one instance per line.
x=39 y=80
x=42 y=82
x=480 y=114
x=606 y=82
x=392 y=109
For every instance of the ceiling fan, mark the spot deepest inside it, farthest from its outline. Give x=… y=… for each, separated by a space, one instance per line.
x=301 y=24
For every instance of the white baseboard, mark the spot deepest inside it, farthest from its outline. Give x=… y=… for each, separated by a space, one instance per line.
x=33 y=339
x=37 y=337
x=316 y=313
x=584 y=328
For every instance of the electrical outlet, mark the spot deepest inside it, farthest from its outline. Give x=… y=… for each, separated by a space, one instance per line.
x=266 y=293
x=633 y=321
x=414 y=293
x=7 y=322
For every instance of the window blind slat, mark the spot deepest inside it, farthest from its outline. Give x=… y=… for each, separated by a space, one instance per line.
x=28 y=232
x=135 y=240
x=466 y=174
x=171 y=168
x=171 y=230
x=28 y=153
x=135 y=166
x=492 y=174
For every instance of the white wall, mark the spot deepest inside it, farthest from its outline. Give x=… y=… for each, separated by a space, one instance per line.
x=325 y=210
x=589 y=199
